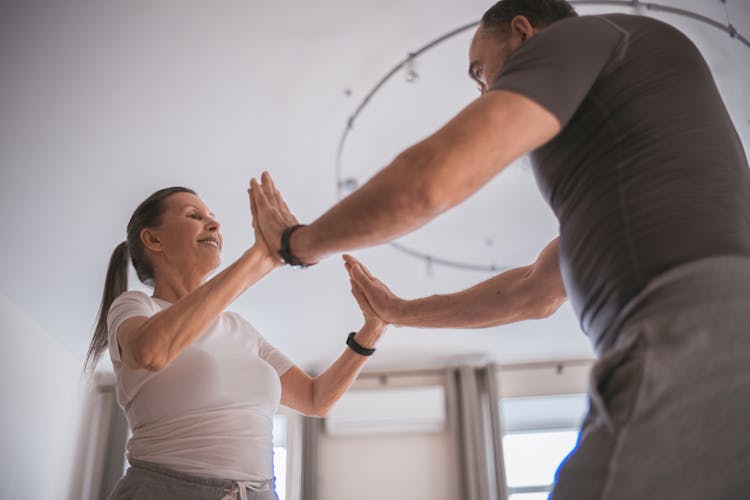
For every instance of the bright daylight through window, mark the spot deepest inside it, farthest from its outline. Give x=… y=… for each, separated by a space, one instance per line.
x=279 y=454
x=538 y=433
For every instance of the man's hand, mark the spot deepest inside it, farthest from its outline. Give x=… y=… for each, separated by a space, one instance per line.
x=379 y=297
x=271 y=215
x=528 y=292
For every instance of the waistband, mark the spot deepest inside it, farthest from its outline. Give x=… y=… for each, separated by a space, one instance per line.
x=704 y=281
x=232 y=487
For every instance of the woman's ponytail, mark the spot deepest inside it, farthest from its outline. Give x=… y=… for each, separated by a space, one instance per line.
x=115 y=284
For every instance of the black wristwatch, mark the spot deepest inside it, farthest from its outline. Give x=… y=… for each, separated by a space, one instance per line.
x=286 y=252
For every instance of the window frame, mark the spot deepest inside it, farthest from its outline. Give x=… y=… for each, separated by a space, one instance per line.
x=538 y=380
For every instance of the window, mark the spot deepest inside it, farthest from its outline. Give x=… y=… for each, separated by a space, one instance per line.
x=280 y=454
x=538 y=433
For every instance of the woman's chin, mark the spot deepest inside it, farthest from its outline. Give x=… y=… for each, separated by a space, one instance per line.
x=210 y=266
x=215 y=265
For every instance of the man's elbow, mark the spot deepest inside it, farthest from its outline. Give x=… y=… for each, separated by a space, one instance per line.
x=430 y=193
x=437 y=197
x=548 y=306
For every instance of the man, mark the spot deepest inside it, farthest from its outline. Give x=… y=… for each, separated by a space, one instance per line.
x=634 y=150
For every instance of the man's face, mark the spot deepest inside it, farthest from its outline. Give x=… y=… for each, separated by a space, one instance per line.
x=490 y=49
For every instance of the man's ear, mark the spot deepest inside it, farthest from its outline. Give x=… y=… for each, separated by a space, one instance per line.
x=150 y=240
x=522 y=28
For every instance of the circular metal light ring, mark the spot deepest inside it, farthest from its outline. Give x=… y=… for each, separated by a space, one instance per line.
x=341 y=183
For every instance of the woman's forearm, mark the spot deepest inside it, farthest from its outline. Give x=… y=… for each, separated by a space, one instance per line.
x=329 y=386
x=163 y=336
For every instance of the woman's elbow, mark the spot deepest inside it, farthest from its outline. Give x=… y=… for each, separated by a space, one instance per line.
x=315 y=412
x=320 y=409
x=321 y=412
x=147 y=358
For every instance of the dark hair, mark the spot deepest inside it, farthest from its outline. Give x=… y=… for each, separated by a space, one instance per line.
x=148 y=214
x=540 y=13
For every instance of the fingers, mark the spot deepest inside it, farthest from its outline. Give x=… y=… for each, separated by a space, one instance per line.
x=351 y=262
x=358 y=293
x=363 y=290
x=362 y=301
x=274 y=195
x=356 y=271
x=253 y=208
x=367 y=287
x=270 y=187
x=253 y=195
x=273 y=189
x=350 y=269
x=258 y=195
x=253 y=212
x=356 y=274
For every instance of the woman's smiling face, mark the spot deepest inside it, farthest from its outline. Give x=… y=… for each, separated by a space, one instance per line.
x=188 y=237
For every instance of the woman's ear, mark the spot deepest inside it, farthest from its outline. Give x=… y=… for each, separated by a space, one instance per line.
x=150 y=240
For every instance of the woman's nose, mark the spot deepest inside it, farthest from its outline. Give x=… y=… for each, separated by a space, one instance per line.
x=213 y=225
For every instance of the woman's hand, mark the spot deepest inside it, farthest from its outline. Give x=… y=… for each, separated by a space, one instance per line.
x=271 y=215
x=260 y=243
x=276 y=213
x=376 y=300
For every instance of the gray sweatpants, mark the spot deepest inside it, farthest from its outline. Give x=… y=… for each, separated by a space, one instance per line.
x=669 y=414
x=147 y=481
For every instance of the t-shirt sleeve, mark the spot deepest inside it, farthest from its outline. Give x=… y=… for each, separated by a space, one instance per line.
x=274 y=357
x=130 y=304
x=557 y=67
x=266 y=351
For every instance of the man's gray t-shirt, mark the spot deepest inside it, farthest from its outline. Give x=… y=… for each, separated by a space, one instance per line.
x=648 y=172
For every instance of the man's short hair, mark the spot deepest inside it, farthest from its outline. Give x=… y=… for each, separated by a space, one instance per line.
x=540 y=13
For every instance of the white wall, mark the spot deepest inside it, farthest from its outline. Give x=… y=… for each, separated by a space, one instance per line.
x=43 y=395
x=386 y=459
x=396 y=467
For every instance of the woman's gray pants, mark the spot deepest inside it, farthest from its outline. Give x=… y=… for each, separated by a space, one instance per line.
x=147 y=481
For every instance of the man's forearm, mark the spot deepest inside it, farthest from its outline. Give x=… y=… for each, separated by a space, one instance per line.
x=430 y=177
x=498 y=301
x=395 y=201
x=516 y=295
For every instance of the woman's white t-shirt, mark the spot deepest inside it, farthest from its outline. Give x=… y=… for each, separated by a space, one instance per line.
x=210 y=411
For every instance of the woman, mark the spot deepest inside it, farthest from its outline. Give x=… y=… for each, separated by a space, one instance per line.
x=199 y=384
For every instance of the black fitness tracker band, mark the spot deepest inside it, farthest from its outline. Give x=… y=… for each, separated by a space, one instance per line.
x=364 y=351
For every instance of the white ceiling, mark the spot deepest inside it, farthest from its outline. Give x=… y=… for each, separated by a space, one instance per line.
x=101 y=103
